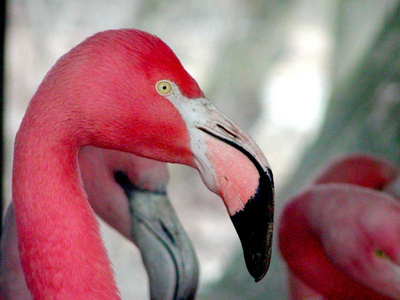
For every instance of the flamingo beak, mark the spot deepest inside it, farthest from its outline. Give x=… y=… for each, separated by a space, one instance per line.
x=162 y=241
x=235 y=168
x=232 y=166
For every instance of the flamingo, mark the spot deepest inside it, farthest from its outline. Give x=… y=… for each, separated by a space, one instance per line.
x=340 y=237
x=123 y=90
x=112 y=179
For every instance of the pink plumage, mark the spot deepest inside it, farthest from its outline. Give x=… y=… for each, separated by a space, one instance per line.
x=341 y=238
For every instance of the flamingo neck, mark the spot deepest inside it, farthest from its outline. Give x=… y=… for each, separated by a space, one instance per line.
x=61 y=250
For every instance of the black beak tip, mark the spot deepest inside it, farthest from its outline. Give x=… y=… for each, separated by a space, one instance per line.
x=254 y=225
x=258 y=267
x=261 y=276
x=257 y=254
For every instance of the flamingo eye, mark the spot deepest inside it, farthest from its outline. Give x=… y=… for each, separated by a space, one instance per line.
x=381 y=254
x=164 y=87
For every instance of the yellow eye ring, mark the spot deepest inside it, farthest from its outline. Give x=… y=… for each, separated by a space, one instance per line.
x=164 y=87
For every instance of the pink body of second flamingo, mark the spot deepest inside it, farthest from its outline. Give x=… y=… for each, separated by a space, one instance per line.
x=123 y=90
x=341 y=238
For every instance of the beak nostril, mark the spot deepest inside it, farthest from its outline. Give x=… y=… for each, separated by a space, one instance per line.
x=227 y=131
x=222 y=128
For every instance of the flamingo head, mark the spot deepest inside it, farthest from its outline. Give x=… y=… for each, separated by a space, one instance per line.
x=363 y=238
x=128 y=91
x=341 y=235
x=372 y=229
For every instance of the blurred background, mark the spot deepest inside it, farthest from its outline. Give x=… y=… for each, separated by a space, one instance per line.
x=308 y=80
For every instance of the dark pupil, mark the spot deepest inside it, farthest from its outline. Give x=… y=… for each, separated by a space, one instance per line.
x=164 y=87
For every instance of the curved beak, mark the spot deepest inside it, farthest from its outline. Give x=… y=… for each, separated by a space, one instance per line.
x=233 y=166
x=242 y=177
x=162 y=241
